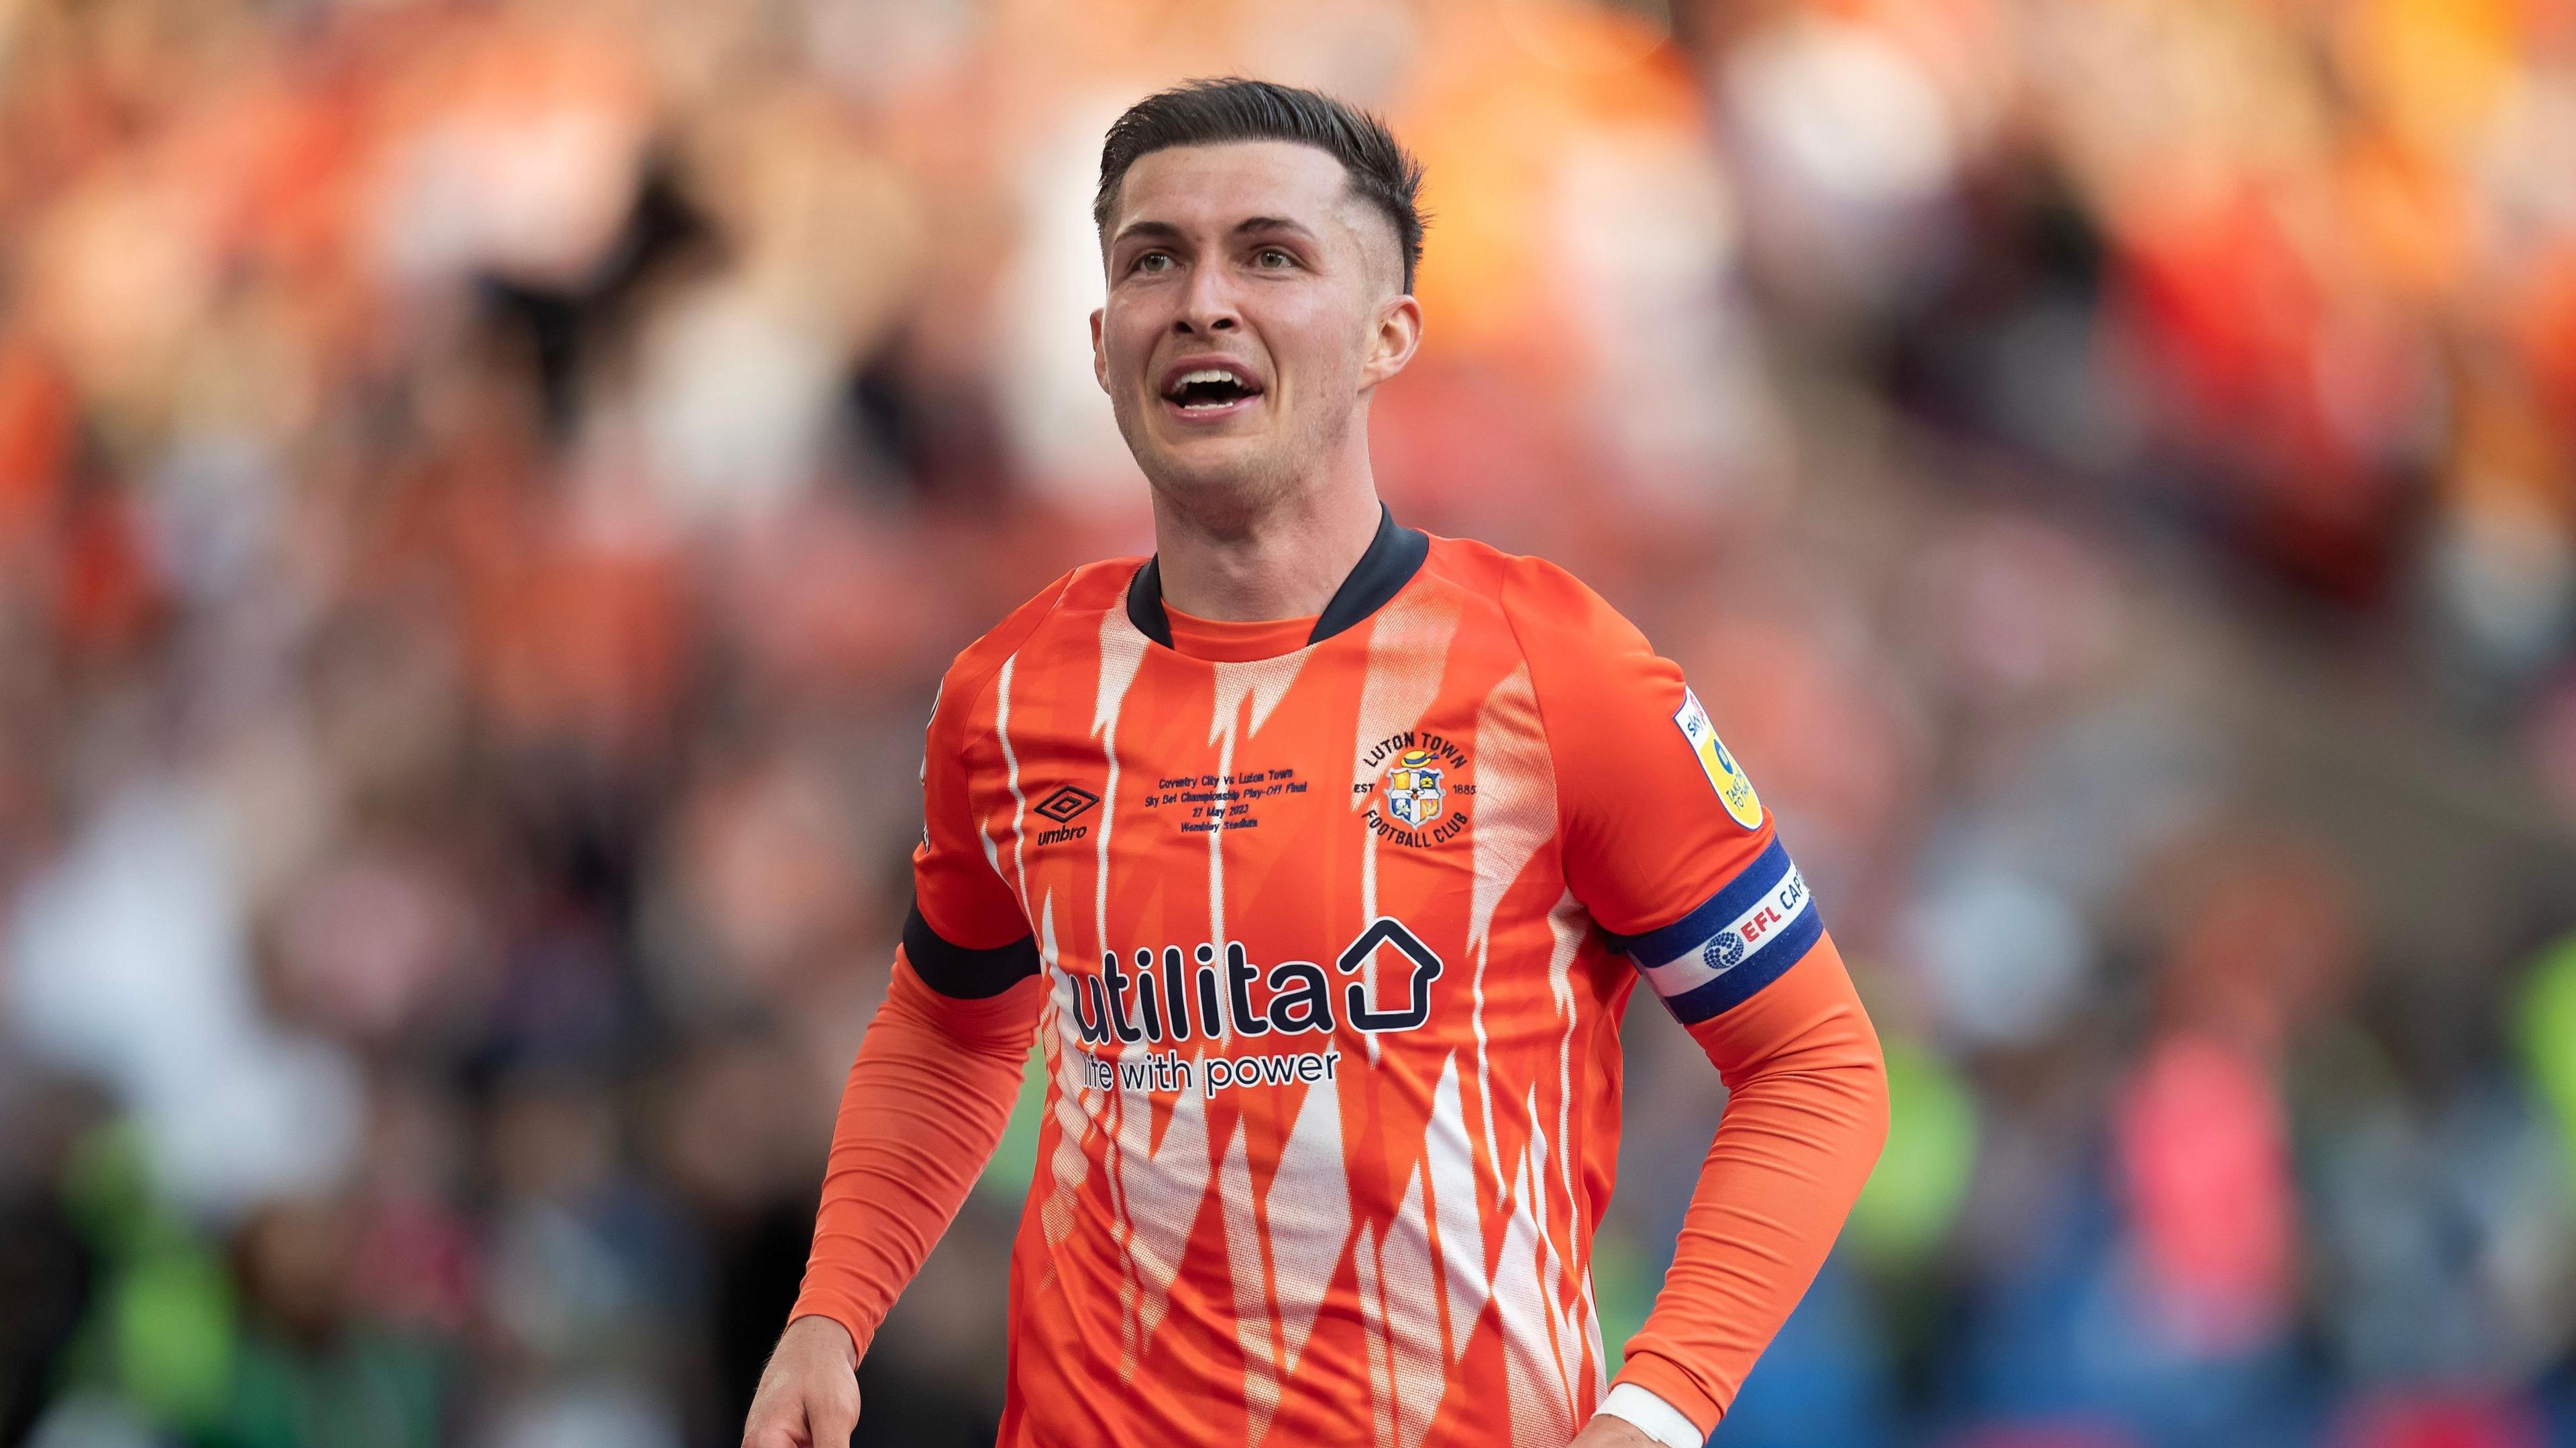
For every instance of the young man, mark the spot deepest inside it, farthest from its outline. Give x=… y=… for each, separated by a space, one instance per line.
x=1320 y=857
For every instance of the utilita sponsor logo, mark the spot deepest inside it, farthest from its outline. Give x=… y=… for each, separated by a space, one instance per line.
x=1173 y=994
x=1065 y=806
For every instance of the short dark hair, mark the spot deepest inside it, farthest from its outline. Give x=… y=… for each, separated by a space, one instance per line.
x=1231 y=108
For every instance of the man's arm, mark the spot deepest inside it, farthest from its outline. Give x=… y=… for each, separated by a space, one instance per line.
x=927 y=1097
x=923 y=1110
x=1806 y=1115
x=1667 y=845
x=921 y=1114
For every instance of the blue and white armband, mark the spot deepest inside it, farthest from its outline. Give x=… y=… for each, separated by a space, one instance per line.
x=1739 y=940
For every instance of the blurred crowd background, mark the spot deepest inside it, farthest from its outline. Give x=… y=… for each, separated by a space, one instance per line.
x=488 y=488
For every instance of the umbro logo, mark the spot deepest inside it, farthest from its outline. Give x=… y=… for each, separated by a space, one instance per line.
x=1065 y=806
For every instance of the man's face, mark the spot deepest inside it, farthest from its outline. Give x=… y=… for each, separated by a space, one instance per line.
x=1253 y=260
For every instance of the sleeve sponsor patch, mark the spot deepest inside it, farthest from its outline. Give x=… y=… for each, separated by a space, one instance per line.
x=1738 y=941
x=1724 y=774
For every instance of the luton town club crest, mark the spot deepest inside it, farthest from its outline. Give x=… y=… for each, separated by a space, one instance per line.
x=1413 y=787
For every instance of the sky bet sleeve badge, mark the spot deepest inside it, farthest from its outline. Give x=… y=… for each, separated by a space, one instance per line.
x=1724 y=774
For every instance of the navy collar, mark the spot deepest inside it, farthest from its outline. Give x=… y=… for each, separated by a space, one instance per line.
x=1393 y=557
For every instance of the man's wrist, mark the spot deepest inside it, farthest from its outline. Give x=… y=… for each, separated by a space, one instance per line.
x=1652 y=1416
x=840 y=1337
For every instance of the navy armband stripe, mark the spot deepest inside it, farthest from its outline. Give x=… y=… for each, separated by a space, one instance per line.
x=1734 y=987
x=961 y=973
x=1732 y=899
x=1739 y=940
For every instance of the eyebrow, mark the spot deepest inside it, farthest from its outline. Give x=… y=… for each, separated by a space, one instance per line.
x=1250 y=225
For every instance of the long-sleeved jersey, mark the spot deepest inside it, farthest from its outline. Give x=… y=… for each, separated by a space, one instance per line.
x=1327 y=953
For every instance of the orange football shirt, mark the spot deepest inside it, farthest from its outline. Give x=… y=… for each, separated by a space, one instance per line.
x=1330 y=950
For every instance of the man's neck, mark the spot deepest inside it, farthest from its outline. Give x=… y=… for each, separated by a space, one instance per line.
x=1285 y=562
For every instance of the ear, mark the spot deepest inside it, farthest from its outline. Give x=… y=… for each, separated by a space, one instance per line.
x=1397 y=337
x=1099 y=357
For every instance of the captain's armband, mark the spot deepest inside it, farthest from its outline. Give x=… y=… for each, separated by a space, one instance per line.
x=1739 y=940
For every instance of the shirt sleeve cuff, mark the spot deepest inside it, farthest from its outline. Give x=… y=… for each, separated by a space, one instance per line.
x=1653 y=1416
x=1653 y=1373
x=816 y=1301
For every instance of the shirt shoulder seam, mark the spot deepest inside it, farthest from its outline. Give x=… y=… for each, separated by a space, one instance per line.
x=1538 y=705
x=969 y=690
x=993 y=653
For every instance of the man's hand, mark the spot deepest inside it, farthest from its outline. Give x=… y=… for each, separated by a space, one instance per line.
x=1607 y=1431
x=809 y=1393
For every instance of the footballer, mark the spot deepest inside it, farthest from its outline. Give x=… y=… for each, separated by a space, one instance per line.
x=1319 y=855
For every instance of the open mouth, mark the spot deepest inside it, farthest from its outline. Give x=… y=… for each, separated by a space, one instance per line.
x=1210 y=392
